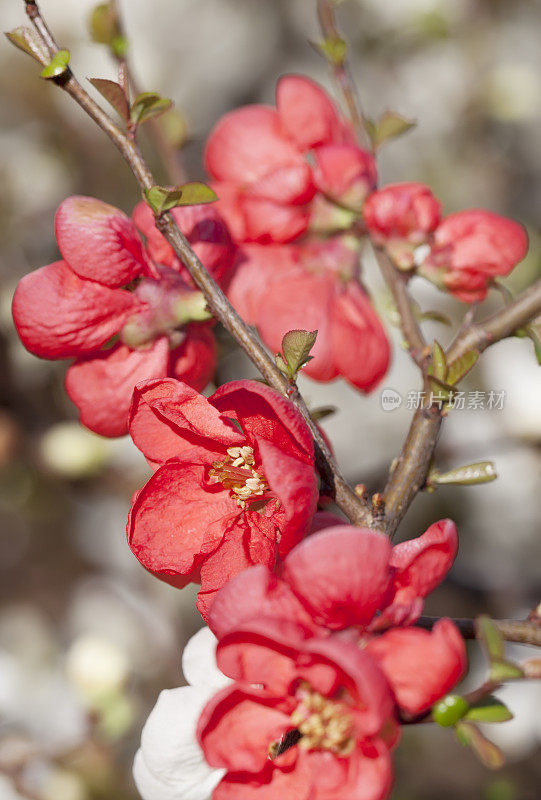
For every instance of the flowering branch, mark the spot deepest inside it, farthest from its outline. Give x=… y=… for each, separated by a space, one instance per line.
x=355 y=507
x=521 y=631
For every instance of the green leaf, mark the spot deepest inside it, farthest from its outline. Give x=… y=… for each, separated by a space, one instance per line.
x=389 y=126
x=296 y=346
x=433 y=316
x=502 y=670
x=449 y=710
x=334 y=49
x=489 y=709
x=321 y=412
x=114 y=94
x=27 y=40
x=489 y=635
x=57 y=66
x=438 y=366
x=104 y=24
x=147 y=105
x=470 y=736
x=119 y=46
x=459 y=369
x=161 y=199
x=469 y=475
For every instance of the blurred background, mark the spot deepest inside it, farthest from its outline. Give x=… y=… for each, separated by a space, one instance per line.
x=87 y=638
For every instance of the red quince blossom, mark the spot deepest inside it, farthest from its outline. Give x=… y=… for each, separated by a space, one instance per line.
x=470 y=248
x=307 y=717
x=313 y=286
x=235 y=481
x=400 y=217
x=122 y=316
x=351 y=579
x=274 y=169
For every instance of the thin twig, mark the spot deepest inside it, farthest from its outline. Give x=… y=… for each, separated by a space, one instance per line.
x=512 y=630
x=356 y=509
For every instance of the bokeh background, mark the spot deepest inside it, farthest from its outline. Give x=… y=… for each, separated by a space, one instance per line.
x=87 y=638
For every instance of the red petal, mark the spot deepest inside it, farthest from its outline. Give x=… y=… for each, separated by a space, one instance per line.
x=273 y=223
x=341 y=575
x=101 y=386
x=174 y=521
x=265 y=414
x=237 y=727
x=366 y=775
x=421 y=666
x=289 y=184
x=270 y=784
x=361 y=348
x=167 y=417
x=194 y=361
x=58 y=315
x=248 y=143
x=306 y=112
x=229 y=205
x=99 y=241
x=281 y=312
x=254 y=594
x=345 y=173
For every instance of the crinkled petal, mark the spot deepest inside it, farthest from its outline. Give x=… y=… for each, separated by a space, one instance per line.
x=101 y=386
x=248 y=143
x=194 y=361
x=59 y=315
x=168 y=417
x=175 y=521
x=420 y=665
x=366 y=775
x=269 y=784
x=199 y=661
x=341 y=575
x=307 y=114
x=255 y=593
x=237 y=727
x=99 y=241
x=170 y=763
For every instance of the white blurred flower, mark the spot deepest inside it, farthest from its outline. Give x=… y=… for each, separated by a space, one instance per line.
x=96 y=667
x=170 y=765
x=72 y=451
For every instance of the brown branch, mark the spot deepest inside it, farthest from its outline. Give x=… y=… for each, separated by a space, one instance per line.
x=521 y=631
x=355 y=508
x=341 y=72
x=397 y=281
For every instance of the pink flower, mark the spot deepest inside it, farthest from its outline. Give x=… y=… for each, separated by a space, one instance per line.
x=120 y=315
x=305 y=718
x=470 y=249
x=313 y=287
x=269 y=164
x=235 y=481
x=400 y=217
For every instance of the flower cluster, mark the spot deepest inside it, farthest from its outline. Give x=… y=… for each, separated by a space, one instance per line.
x=316 y=669
x=123 y=311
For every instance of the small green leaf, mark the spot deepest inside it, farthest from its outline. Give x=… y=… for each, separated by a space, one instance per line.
x=321 y=412
x=161 y=199
x=281 y=364
x=334 y=49
x=490 y=637
x=27 y=40
x=449 y=710
x=114 y=94
x=147 y=105
x=104 y=24
x=195 y=193
x=57 y=66
x=438 y=366
x=389 y=126
x=469 y=475
x=296 y=346
x=433 y=316
x=489 y=709
x=502 y=670
x=119 y=46
x=459 y=369
x=470 y=736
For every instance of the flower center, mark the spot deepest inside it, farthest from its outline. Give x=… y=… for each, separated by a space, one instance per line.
x=320 y=724
x=237 y=474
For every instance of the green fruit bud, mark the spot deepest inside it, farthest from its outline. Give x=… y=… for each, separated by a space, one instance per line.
x=449 y=710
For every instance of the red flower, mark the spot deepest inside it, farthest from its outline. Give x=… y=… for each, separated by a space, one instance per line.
x=312 y=287
x=472 y=247
x=226 y=495
x=258 y=158
x=318 y=725
x=351 y=578
x=107 y=287
x=400 y=217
